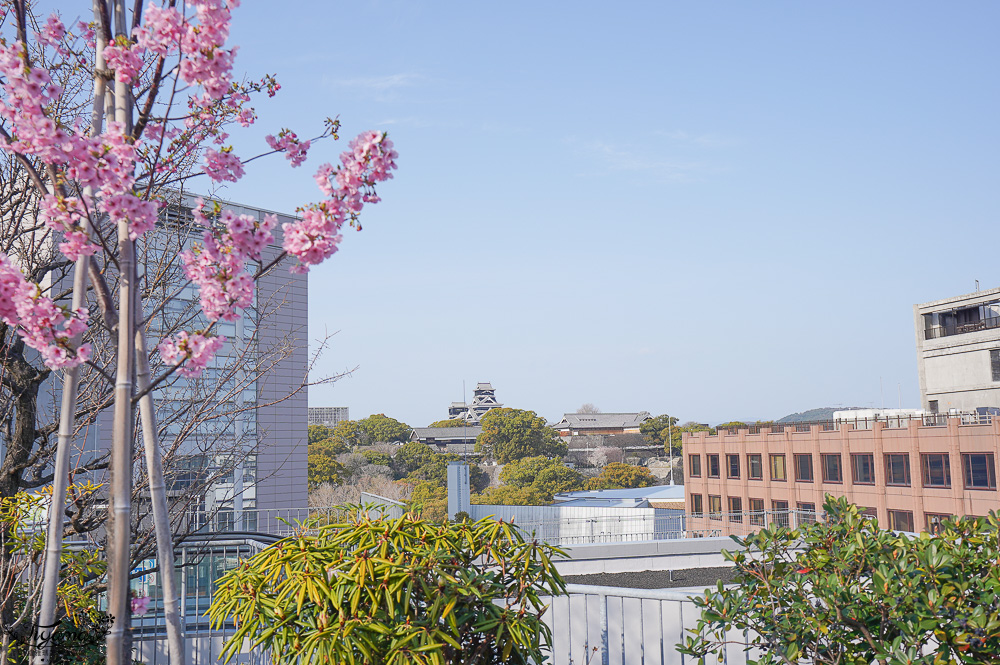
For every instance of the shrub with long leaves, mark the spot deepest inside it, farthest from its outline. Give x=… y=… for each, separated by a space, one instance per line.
x=372 y=590
x=844 y=591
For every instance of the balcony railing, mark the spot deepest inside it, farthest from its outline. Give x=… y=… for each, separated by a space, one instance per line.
x=937 y=332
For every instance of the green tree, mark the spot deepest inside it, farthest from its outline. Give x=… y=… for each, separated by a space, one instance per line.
x=507 y=495
x=451 y=422
x=374 y=457
x=380 y=427
x=430 y=501
x=548 y=476
x=411 y=456
x=734 y=425
x=323 y=467
x=394 y=592
x=845 y=591
x=659 y=428
x=434 y=469
x=511 y=434
x=318 y=433
x=621 y=476
x=348 y=434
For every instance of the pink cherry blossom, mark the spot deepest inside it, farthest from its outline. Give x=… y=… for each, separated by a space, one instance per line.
x=193 y=350
x=126 y=62
x=140 y=605
x=222 y=166
x=289 y=143
x=42 y=324
x=316 y=236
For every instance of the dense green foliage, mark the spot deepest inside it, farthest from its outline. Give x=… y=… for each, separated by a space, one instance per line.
x=659 y=428
x=544 y=476
x=621 y=476
x=79 y=637
x=376 y=591
x=451 y=422
x=381 y=428
x=845 y=591
x=506 y=495
x=512 y=434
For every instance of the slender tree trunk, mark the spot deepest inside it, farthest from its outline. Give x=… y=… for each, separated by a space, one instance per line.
x=53 y=541
x=158 y=499
x=119 y=558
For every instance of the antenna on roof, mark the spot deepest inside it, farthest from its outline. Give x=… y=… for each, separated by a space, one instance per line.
x=977 y=286
x=465 y=428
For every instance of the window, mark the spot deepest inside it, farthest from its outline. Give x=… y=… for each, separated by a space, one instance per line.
x=934 y=521
x=714 y=507
x=932 y=405
x=871 y=513
x=995 y=364
x=935 y=470
x=980 y=472
x=897 y=470
x=832 y=473
x=697 y=508
x=778 y=467
x=755 y=467
x=713 y=466
x=804 y=468
x=694 y=463
x=735 y=509
x=863 y=468
x=901 y=520
x=780 y=509
x=733 y=466
x=757 y=512
x=807 y=512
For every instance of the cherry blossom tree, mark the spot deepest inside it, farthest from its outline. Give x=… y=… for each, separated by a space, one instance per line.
x=162 y=103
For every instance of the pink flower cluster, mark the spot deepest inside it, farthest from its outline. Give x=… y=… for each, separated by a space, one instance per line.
x=222 y=165
x=203 y=60
x=316 y=235
x=42 y=325
x=218 y=266
x=195 y=348
x=52 y=33
x=140 y=605
x=124 y=60
x=66 y=214
x=289 y=143
x=106 y=162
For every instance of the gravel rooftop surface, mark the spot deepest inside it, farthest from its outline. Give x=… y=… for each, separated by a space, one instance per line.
x=657 y=579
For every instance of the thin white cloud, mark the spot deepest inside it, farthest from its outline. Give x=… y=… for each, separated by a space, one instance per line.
x=706 y=140
x=626 y=159
x=378 y=83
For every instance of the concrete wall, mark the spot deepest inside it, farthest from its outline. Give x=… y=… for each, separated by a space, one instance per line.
x=955 y=370
x=567 y=525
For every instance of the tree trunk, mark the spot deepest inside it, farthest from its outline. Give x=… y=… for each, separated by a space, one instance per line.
x=53 y=542
x=158 y=499
x=119 y=557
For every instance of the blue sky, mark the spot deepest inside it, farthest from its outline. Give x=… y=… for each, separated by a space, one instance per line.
x=717 y=210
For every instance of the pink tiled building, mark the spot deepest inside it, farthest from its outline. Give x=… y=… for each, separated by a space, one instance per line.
x=909 y=476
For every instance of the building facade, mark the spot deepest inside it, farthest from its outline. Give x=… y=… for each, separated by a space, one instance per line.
x=234 y=438
x=910 y=477
x=600 y=424
x=328 y=416
x=958 y=352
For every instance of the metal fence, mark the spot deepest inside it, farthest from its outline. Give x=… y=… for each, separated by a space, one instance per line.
x=594 y=625
x=200 y=564
x=979 y=416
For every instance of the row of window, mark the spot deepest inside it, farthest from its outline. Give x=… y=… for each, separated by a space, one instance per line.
x=935 y=468
x=899 y=520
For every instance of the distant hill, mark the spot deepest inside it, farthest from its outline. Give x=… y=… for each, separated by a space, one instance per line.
x=814 y=415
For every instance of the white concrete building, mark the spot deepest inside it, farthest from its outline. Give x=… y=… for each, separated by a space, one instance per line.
x=958 y=352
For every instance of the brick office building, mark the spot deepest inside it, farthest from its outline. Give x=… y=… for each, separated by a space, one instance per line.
x=910 y=477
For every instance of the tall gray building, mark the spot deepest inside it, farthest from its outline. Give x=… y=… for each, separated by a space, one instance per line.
x=235 y=438
x=958 y=352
